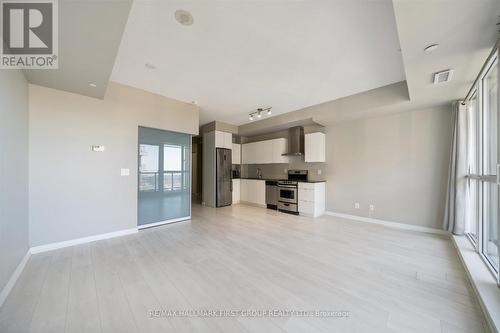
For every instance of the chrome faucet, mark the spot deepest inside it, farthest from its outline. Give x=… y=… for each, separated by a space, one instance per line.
x=259 y=173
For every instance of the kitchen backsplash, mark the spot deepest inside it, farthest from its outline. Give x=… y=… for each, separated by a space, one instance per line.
x=278 y=171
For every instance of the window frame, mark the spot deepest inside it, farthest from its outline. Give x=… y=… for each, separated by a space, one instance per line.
x=478 y=91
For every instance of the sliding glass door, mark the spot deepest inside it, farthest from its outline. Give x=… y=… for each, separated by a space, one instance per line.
x=489 y=244
x=164 y=185
x=483 y=165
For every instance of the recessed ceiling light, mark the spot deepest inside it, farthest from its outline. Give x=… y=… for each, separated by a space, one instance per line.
x=93 y=85
x=431 y=48
x=184 y=17
x=150 y=66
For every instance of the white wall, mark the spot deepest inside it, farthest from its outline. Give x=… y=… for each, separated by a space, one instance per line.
x=14 y=217
x=398 y=162
x=75 y=192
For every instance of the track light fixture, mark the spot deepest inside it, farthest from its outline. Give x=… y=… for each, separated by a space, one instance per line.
x=259 y=112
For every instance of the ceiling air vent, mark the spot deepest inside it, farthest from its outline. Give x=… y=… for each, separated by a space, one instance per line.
x=443 y=76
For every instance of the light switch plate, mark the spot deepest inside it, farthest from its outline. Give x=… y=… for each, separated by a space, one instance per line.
x=98 y=148
x=124 y=172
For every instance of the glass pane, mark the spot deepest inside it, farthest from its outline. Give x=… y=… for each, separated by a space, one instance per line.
x=473 y=209
x=490 y=160
x=472 y=226
x=490 y=231
x=490 y=112
x=148 y=167
x=171 y=197
x=173 y=158
x=472 y=135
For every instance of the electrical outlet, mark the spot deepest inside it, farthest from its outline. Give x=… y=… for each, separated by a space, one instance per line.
x=285 y=170
x=372 y=208
x=356 y=205
x=320 y=172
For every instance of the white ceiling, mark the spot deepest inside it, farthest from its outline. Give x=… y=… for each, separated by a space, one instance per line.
x=240 y=55
x=466 y=32
x=83 y=58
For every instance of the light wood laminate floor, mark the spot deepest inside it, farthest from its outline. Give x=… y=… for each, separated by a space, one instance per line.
x=243 y=257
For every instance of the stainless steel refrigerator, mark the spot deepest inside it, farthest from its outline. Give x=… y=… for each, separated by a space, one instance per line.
x=224 y=183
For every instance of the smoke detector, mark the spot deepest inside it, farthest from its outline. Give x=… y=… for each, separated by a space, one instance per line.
x=443 y=76
x=184 y=17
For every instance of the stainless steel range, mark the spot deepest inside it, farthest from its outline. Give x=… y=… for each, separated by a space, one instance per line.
x=288 y=191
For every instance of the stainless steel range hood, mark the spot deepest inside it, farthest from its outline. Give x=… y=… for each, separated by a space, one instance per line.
x=295 y=141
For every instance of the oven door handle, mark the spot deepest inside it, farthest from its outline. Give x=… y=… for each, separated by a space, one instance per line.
x=287 y=186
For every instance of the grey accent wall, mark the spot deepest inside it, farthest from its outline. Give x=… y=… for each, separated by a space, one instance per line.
x=279 y=170
x=388 y=99
x=75 y=192
x=399 y=163
x=219 y=126
x=280 y=134
x=14 y=217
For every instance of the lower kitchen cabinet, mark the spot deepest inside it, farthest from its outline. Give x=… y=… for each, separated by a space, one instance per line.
x=236 y=190
x=253 y=191
x=311 y=199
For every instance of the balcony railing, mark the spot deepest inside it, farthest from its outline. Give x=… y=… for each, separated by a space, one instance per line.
x=172 y=181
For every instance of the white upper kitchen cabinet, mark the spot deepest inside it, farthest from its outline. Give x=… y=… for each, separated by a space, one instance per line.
x=248 y=153
x=314 y=147
x=223 y=140
x=280 y=147
x=256 y=152
x=236 y=154
x=264 y=152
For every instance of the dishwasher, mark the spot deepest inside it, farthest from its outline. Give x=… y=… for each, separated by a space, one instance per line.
x=272 y=194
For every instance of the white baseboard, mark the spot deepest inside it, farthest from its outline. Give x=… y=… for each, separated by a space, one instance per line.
x=389 y=223
x=60 y=245
x=156 y=224
x=54 y=246
x=13 y=278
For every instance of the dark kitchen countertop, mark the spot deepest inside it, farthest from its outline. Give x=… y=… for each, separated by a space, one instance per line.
x=255 y=178
x=313 y=181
